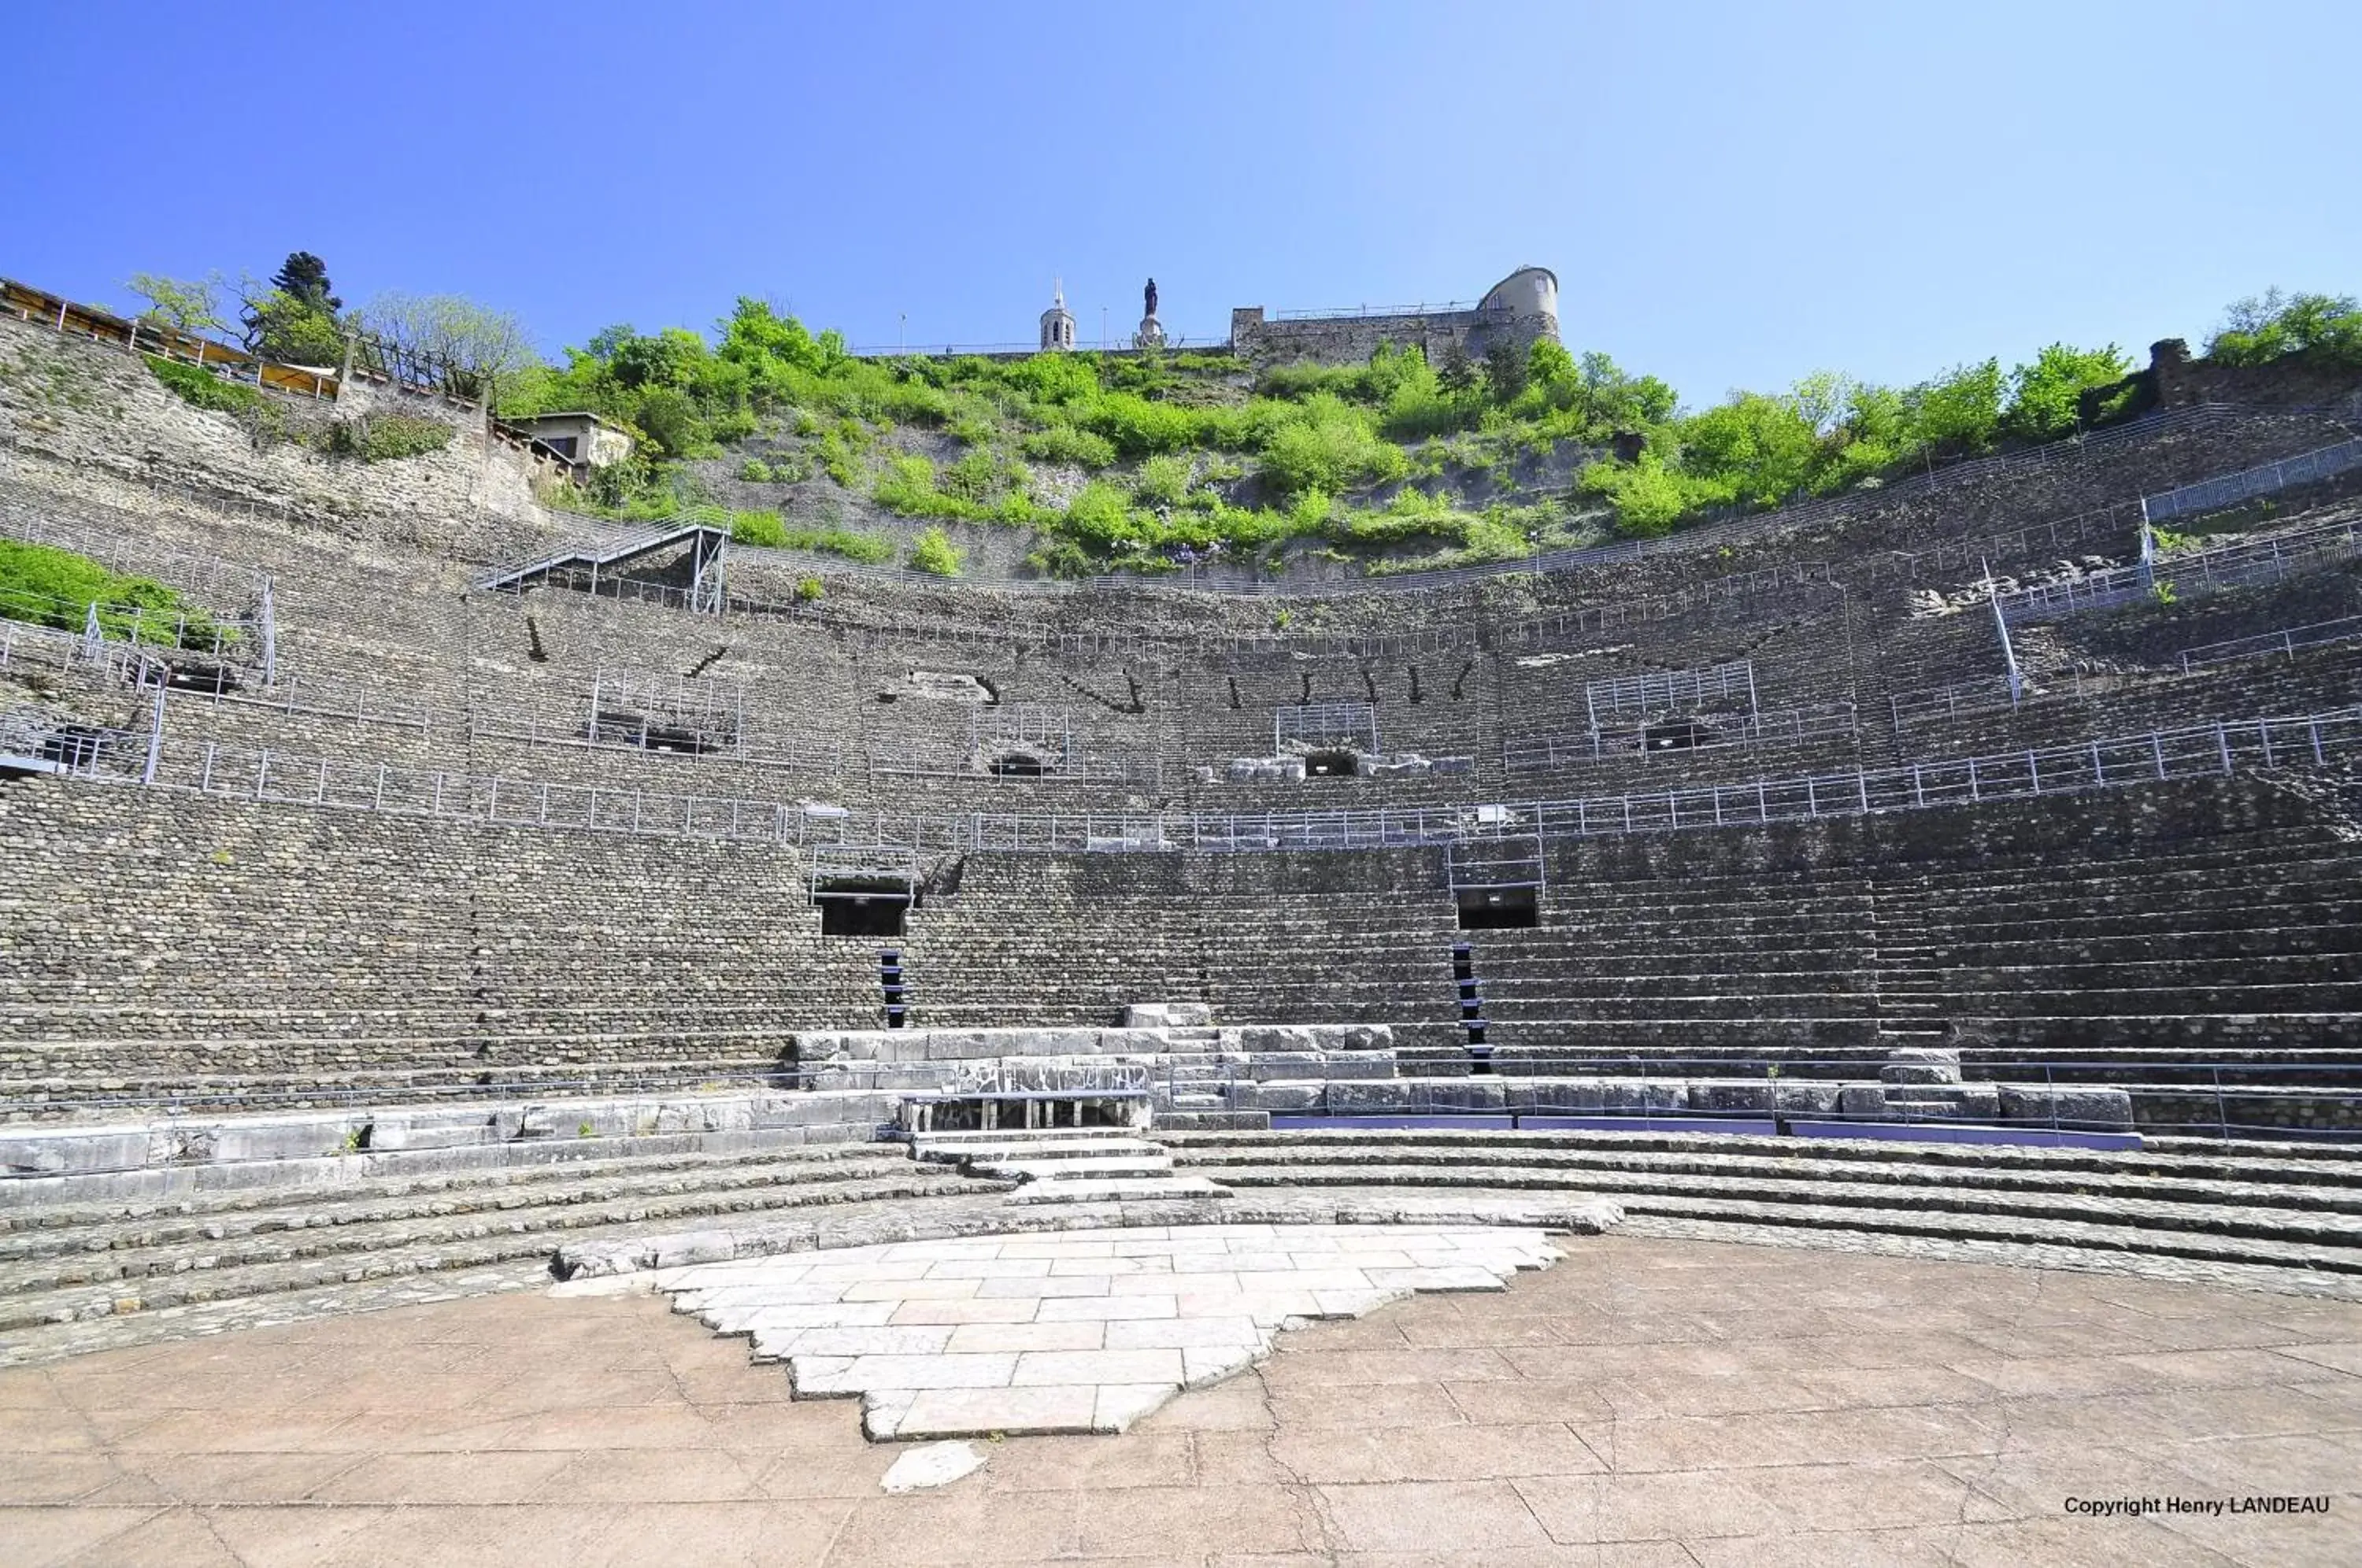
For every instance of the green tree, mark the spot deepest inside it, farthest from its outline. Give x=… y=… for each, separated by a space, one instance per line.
x=1959 y=410
x=2264 y=327
x=1505 y=371
x=2043 y=396
x=281 y=327
x=474 y=348
x=1548 y=365
x=292 y=318
x=1762 y=447
x=1457 y=374
x=188 y=305
x=304 y=278
x=1649 y=497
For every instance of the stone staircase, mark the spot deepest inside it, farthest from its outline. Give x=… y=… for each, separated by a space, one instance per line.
x=1087 y=1164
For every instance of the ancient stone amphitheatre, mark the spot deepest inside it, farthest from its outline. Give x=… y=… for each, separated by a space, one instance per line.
x=1832 y=1034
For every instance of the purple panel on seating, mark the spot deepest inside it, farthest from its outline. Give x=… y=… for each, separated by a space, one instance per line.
x=1895 y=1131
x=1754 y=1126
x=1490 y=1123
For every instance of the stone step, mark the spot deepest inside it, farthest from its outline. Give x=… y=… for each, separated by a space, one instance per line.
x=424 y=1248
x=107 y=1248
x=1119 y=1189
x=2234 y=1233
x=2162 y=1196
x=1055 y=1143
x=1144 y=1166
x=2330 y=1169
x=28 y=1203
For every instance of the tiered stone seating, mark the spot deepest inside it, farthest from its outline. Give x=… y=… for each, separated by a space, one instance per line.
x=2195 y=944
x=2266 y=1206
x=273 y=948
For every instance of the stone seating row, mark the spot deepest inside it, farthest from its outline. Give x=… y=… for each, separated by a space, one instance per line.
x=2228 y=1203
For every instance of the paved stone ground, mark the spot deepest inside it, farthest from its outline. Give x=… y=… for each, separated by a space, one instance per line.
x=1645 y=1401
x=1072 y=1331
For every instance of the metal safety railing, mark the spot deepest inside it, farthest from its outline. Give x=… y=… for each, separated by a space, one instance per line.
x=314 y=698
x=281 y=778
x=1658 y=690
x=2321 y=634
x=2185 y=575
x=2230 y=490
x=1795 y=726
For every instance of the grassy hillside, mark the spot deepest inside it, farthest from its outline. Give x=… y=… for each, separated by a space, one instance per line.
x=1159 y=461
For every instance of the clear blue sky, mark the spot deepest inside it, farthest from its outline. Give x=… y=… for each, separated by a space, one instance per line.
x=1731 y=195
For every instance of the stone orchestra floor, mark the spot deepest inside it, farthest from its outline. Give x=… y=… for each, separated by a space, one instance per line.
x=1065 y=1332
x=1644 y=1400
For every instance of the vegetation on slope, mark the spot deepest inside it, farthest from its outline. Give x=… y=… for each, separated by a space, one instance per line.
x=1154 y=460
x=52 y=587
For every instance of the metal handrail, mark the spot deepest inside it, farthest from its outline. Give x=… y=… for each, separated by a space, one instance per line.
x=2321 y=634
x=280 y=777
x=2231 y=565
x=2229 y=490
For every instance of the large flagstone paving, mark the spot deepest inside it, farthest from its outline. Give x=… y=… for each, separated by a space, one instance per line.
x=1643 y=1401
x=1066 y=1331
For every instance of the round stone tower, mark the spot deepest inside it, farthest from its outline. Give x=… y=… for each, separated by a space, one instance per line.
x=1519 y=310
x=1058 y=323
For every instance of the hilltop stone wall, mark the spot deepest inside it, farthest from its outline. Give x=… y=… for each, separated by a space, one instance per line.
x=1352 y=339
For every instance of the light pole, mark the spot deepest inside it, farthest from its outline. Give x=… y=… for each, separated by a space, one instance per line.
x=901 y=321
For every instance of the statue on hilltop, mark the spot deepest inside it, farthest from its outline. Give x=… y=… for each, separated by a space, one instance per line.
x=1151 y=331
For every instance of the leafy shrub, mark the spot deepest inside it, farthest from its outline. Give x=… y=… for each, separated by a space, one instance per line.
x=50 y=587
x=1329 y=448
x=934 y=552
x=809 y=589
x=1061 y=559
x=908 y=487
x=203 y=389
x=768 y=530
x=384 y=437
x=261 y=415
x=1649 y=497
x=755 y=470
x=1163 y=480
x=973 y=477
x=868 y=548
x=1065 y=443
x=761 y=529
x=1100 y=517
x=1411 y=515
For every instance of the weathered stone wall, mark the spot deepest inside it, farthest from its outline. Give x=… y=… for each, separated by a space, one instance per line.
x=1352 y=339
x=97 y=419
x=2295 y=380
